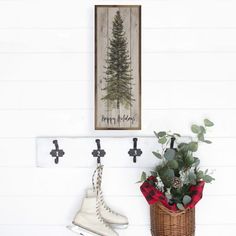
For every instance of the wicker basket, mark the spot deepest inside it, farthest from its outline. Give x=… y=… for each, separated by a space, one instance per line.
x=167 y=223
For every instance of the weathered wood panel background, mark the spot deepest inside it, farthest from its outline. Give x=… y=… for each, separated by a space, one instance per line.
x=106 y=115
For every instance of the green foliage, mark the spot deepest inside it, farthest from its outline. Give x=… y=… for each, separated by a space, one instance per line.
x=161 y=134
x=157 y=154
x=186 y=199
x=208 y=178
x=162 y=140
x=143 y=176
x=179 y=169
x=208 y=123
x=167 y=175
x=192 y=178
x=180 y=206
x=195 y=129
x=193 y=146
x=173 y=164
x=169 y=154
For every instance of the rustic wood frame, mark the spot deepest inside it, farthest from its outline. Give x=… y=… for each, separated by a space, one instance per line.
x=139 y=71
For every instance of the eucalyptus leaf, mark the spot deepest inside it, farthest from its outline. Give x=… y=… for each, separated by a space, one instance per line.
x=143 y=176
x=203 y=130
x=208 y=178
x=192 y=178
x=183 y=146
x=207 y=141
x=208 y=123
x=201 y=137
x=170 y=154
x=173 y=164
x=162 y=140
x=180 y=206
x=161 y=134
x=195 y=129
x=200 y=175
x=167 y=175
x=186 y=199
x=158 y=155
x=193 y=146
x=170 y=173
x=155 y=134
x=189 y=160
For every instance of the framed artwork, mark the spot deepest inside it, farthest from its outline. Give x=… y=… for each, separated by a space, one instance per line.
x=118 y=67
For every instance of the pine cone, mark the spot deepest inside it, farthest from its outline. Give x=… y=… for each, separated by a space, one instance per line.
x=177 y=183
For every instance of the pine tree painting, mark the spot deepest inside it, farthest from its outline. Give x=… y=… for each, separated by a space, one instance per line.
x=118 y=69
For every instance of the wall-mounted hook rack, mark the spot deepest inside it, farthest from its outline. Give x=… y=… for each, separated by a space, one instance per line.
x=135 y=152
x=57 y=152
x=98 y=152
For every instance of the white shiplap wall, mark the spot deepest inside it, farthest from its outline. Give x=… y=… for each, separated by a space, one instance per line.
x=46 y=89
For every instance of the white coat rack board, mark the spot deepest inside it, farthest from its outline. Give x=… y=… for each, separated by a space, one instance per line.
x=77 y=151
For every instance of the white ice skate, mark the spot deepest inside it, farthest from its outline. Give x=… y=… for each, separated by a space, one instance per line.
x=88 y=221
x=113 y=218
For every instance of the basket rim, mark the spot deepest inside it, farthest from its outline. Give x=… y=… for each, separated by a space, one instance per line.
x=170 y=212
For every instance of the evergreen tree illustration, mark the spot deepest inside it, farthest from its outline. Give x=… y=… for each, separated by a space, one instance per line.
x=118 y=69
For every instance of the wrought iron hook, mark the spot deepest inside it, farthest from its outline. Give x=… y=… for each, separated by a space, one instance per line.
x=135 y=152
x=98 y=152
x=57 y=152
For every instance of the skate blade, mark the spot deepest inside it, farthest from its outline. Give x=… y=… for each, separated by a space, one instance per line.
x=81 y=231
x=119 y=226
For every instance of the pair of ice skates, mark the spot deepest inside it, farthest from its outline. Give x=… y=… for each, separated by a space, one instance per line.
x=95 y=217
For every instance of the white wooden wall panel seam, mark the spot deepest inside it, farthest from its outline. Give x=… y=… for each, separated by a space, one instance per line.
x=75 y=123
x=153 y=40
x=60 y=210
x=80 y=96
x=167 y=13
x=58 y=28
x=29 y=180
x=147 y=53
x=200 y=67
x=60 y=230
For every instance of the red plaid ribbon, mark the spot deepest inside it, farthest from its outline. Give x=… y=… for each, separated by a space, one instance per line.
x=154 y=195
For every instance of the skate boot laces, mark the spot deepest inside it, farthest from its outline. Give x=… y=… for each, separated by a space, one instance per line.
x=105 y=205
x=99 y=172
x=98 y=204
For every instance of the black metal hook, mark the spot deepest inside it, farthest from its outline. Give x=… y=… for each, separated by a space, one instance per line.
x=56 y=152
x=135 y=152
x=98 y=152
x=172 y=142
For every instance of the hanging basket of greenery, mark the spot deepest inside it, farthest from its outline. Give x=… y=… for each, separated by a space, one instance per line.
x=176 y=184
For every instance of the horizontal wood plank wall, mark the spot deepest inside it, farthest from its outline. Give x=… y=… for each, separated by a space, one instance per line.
x=46 y=89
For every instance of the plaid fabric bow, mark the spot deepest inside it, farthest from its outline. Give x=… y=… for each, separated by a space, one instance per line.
x=154 y=195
